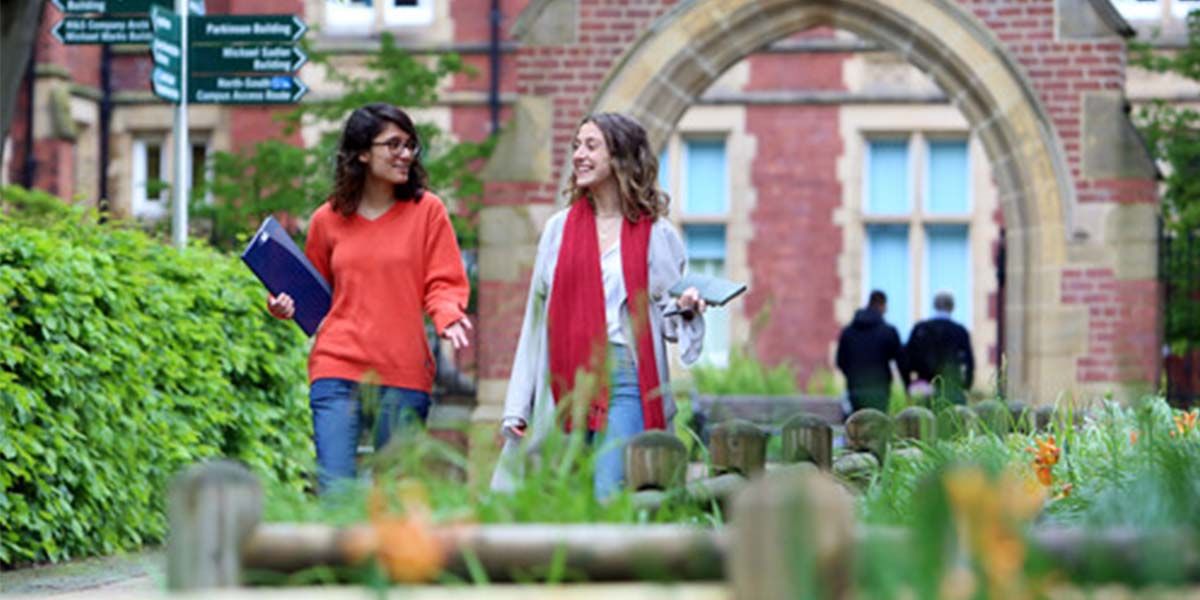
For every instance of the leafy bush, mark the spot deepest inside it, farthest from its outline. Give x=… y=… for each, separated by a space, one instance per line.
x=745 y=376
x=121 y=361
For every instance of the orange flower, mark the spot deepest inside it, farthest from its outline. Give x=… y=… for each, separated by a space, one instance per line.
x=1064 y=492
x=1044 y=476
x=405 y=545
x=1045 y=457
x=1133 y=437
x=1185 y=422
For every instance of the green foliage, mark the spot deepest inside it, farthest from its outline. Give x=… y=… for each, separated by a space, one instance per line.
x=276 y=176
x=1172 y=133
x=121 y=361
x=745 y=376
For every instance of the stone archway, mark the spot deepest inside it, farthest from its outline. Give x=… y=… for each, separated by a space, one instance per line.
x=674 y=62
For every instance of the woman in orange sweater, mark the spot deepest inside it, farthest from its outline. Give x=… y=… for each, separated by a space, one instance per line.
x=385 y=245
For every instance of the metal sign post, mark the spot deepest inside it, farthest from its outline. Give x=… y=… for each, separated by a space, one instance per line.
x=183 y=155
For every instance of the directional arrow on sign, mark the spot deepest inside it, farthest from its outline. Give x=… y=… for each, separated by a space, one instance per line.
x=166 y=54
x=166 y=84
x=103 y=30
x=246 y=89
x=246 y=28
x=166 y=25
x=253 y=58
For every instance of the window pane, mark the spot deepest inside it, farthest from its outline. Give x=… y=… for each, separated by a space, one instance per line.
x=948 y=178
x=888 y=270
x=947 y=267
x=1138 y=10
x=706 y=191
x=706 y=255
x=155 y=183
x=705 y=242
x=887 y=177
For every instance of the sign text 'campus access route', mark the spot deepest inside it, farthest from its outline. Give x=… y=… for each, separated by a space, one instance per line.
x=246 y=89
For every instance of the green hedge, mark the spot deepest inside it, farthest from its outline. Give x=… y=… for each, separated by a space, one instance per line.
x=121 y=361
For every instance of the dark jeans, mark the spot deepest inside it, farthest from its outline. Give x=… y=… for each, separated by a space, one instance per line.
x=338 y=420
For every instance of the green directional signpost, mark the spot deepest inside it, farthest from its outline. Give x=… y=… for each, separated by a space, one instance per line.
x=220 y=59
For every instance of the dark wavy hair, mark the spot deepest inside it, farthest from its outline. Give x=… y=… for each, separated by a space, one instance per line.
x=634 y=165
x=361 y=128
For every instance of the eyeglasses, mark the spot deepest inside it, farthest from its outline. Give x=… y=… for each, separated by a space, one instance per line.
x=397 y=145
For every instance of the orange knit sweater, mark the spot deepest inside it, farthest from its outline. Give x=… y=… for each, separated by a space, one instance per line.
x=385 y=273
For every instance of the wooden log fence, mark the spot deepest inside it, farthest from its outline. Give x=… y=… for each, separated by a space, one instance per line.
x=216 y=535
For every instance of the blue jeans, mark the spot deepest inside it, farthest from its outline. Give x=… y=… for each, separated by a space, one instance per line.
x=338 y=420
x=624 y=421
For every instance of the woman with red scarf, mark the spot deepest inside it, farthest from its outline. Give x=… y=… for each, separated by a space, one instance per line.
x=599 y=306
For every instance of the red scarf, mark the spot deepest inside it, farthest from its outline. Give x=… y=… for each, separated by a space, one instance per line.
x=578 y=332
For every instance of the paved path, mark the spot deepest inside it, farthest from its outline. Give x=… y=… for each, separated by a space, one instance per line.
x=141 y=573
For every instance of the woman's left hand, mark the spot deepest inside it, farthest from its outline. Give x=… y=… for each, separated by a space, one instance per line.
x=457 y=333
x=690 y=300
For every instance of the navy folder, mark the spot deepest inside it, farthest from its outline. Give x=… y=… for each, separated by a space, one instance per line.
x=716 y=291
x=282 y=267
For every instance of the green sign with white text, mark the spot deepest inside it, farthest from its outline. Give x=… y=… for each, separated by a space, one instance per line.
x=246 y=89
x=246 y=28
x=253 y=58
x=103 y=30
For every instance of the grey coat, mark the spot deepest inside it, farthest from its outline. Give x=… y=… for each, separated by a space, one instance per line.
x=529 y=397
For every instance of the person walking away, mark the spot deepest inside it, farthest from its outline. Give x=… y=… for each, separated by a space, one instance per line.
x=939 y=354
x=866 y=350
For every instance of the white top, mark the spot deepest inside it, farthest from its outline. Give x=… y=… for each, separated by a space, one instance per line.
x=613 y=275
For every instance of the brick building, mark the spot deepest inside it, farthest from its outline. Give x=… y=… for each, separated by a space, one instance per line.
x=814 y=149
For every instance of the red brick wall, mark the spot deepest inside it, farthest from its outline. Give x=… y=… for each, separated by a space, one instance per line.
x=794 y=176
x=1121 y=347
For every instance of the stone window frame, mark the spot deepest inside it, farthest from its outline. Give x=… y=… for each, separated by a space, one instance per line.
x=140 y=205
x=352 y=17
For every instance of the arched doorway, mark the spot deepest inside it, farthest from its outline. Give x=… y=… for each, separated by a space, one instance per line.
x=677 y=60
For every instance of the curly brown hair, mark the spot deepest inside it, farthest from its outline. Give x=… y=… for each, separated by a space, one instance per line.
x=361 y=128
x=634 y=166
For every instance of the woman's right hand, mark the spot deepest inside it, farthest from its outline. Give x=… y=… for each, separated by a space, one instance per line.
x=513 y=428
x=281 y=306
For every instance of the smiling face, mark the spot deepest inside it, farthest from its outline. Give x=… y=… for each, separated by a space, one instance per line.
x=592 y=162
x=391 y=155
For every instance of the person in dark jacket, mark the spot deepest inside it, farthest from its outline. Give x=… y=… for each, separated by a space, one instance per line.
x=866 y=349
x=939 y=353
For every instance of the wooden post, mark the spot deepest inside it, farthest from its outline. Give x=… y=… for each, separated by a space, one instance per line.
x=213 y=508
x=917 y=423
x=856 y=469
x=793 y=537
x=957 y=421
x=808 y=438
x=737 y=446
x=655 y=460
x=1044 y=417
x=870 y=430
x=1022 y=417
x=994 y=416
